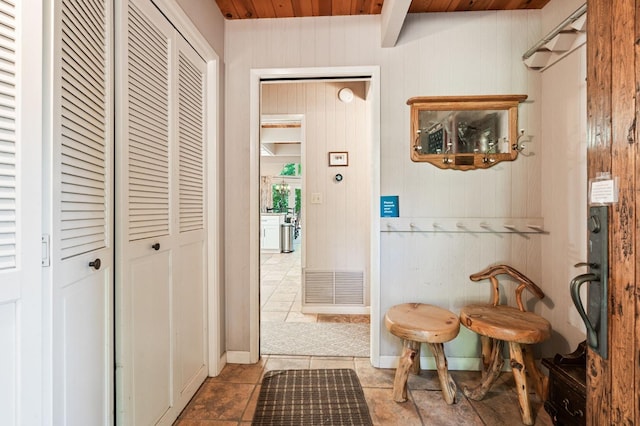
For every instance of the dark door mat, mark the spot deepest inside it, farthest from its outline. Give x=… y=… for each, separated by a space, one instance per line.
x=311 y=397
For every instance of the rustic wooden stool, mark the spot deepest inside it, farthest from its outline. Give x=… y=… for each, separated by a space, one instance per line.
x=418 y=323
x=496 y=323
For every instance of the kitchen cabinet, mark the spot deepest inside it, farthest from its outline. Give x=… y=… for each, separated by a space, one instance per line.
x=270 y=232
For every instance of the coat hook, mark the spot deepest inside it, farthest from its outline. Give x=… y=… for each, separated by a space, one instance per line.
x=519 y=146
x=416 y=143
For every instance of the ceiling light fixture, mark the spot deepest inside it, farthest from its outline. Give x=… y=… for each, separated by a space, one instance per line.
x=345 y=95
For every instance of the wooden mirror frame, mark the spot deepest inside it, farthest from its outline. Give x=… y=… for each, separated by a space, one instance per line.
x=470 y=160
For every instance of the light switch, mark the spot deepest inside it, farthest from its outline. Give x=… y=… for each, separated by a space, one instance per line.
x=316 y=198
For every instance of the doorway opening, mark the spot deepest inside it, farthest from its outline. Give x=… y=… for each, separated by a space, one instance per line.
x=315 y=296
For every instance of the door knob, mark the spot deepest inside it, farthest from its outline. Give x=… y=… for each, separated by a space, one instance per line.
x=95 y=264
x=156 y=246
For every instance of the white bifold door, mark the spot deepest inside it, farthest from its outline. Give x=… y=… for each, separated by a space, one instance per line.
x=161 y=230
x=20 y=222
x=81 y=185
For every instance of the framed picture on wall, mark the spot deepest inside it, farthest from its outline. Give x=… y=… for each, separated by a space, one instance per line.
x=338 y=159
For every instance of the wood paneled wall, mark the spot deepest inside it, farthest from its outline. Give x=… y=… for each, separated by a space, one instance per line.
x=613 y=60
x=437 y=54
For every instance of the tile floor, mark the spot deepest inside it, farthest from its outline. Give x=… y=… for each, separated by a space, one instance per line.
x=280 y=287
x=230 y=398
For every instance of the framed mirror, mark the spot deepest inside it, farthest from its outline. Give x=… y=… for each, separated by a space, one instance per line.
x=464 y=132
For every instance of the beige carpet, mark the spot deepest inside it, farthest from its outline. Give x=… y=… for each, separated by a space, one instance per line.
x=317 y=339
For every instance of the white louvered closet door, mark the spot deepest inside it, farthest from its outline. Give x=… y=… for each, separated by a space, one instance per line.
x=190 y=289
x=20 y=208
x=82 y=238
x=161 y=229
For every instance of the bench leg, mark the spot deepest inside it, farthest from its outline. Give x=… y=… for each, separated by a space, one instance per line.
x=540 y=382
x=490 y=375
x=447 y=384
x=519 y=370
x=410 y=350
x=415 y=367
x=487 y=348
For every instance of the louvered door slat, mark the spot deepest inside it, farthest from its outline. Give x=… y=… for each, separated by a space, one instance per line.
x=75 y=113
x=79 y=133
x=191 y=143
x=144 y=168
x=147 y=98
x=84 y=223
x=145 y=150
x=91 y=28
x=83 y=63
x=84 y=128
x=146 y=131
x=8 y=160
x=71 y=216
x=82 y=89
x=142 y=34
x=139 y=66
x=148 y=151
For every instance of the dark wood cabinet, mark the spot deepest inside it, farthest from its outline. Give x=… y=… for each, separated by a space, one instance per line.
x=566 y=403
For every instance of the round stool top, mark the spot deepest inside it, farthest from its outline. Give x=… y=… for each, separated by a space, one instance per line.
x=420 y=322
x=505 y=323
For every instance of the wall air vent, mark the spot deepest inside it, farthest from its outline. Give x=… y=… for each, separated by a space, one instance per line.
x=334 y=287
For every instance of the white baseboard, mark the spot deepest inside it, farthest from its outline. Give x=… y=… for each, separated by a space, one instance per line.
x=335 y=309
x=238 y=357
x=428 y=363
x=453 y=363
x=213 y=372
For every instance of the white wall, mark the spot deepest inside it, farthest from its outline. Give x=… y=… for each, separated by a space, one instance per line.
x=564 y=198
x=436 y=54
x=208 y=20
x=557 y=10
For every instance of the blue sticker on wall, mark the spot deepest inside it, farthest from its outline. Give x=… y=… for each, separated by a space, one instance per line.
x=389 y=206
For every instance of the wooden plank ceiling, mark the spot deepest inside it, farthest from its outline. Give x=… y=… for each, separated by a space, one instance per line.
x=253 y=9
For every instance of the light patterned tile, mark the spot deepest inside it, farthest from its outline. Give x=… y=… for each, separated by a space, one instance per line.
x=300 y=317
x=360 y=319
x=277 y=306
x=435 y=411
x=273 y=316
x=251 y=406
x=281 y=296
x=287 y=363
x=372 y=377
x=333 y=318
x=241 y=373
x=385 y=411
x=328 y=363
x=217 y=400
x=192 y=422
x=426 y=380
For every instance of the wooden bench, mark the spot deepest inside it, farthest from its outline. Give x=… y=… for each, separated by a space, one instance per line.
x=496 y=323
x=418 y=323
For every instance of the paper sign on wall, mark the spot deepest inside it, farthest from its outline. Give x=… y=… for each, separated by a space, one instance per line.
x=389 y=206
